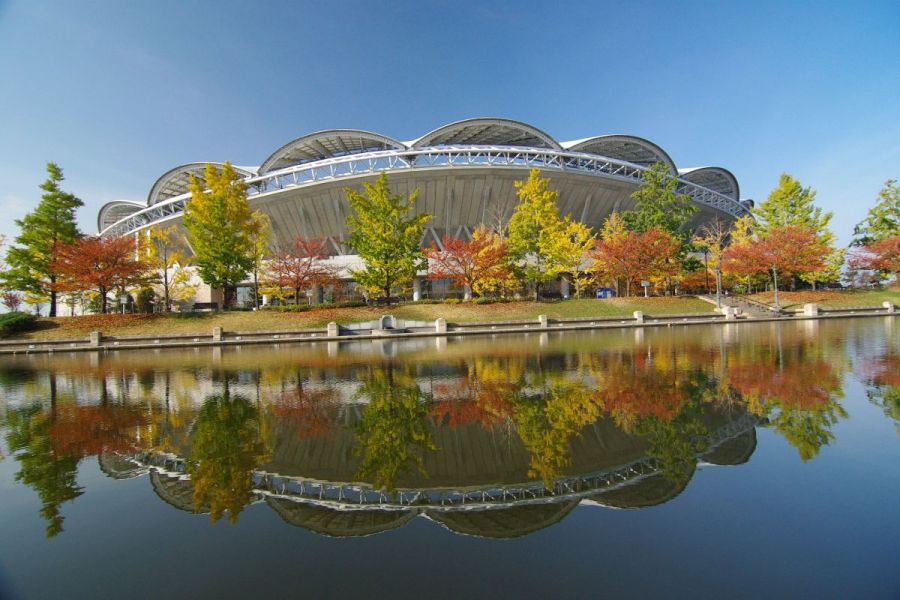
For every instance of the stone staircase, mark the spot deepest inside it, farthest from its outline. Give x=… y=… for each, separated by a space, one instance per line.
x=746 y=307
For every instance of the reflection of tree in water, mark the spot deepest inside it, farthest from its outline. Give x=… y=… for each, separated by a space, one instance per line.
x=635 y=390
x=480 y=396
x=393 y=433
x=797 y=396
x=546 y=419
x=675 y=441
x=309 y=412
x=52 y=475
x=881 y=377
x=49 y=442
x=227 y=445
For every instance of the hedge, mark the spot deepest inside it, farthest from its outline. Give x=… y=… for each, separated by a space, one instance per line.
x=16 y=321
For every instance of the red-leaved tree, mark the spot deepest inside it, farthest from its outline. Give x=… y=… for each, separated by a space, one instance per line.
x=11 y=300
x=300 y=267
x=99 y=264
x=479 y=264
x=621 y=254
x=784 y=251
x=882 y=255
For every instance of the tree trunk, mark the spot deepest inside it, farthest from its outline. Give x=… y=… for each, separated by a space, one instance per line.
x=296 y=295
x=256 y=289
x=166 y=290
x=102 y=301
x=52 y=297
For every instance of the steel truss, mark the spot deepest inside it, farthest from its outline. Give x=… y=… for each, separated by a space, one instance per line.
x=355 y=165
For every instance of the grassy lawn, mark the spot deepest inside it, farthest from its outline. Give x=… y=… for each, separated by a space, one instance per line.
x=831 y=299
x=128 y=325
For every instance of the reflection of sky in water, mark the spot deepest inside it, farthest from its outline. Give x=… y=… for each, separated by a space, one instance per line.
x=481 y=414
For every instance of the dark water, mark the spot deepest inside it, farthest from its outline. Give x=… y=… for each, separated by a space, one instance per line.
x=758 y=460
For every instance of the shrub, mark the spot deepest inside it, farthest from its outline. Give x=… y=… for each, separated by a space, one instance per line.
x=16 y=321
x=298 y=308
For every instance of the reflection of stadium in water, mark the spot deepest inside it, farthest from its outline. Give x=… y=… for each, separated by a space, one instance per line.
x=484 y=436
x=475 y=483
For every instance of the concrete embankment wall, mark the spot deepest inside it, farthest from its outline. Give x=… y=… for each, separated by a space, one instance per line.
x=390 y=328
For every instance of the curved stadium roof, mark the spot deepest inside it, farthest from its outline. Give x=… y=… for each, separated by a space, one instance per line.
x=311 y=162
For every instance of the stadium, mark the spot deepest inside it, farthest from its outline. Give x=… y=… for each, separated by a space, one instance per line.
x=465 y=172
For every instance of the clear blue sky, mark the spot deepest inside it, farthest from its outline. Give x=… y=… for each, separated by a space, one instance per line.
x=119 y=92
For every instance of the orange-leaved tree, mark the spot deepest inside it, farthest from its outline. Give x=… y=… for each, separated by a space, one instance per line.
x=881 y=255
x=481 y=264
x=301 y=266
x=787 y=251
x=100 y=264
x=621 y=254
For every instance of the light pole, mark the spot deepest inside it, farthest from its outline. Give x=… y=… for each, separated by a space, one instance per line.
x=718 y=272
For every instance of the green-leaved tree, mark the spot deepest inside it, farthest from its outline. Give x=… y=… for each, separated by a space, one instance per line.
x=883 y=219
x=791 y=204
x=222 y=229
x=659 y=204
x=52 y=222
x=386 y=236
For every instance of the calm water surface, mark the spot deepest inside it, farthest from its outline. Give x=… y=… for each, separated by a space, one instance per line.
x=758 y=460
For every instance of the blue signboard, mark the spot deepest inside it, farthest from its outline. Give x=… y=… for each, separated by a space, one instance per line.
x=603 y=293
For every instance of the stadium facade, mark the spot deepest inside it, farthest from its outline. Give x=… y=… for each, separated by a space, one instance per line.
x=465 y=172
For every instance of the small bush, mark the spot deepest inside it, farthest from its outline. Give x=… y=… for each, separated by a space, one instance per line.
x=299 y=308
x=14 y=322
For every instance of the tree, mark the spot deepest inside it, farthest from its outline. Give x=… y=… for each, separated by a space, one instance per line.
x=883 y=219
x=99 y=264
x=630 y=256
x=569 y=249
x=385 y=236
x=261 y=232
x=791 y=204
x=537 y=233
x=393 y=435
x=300 y=267
x=712 y=239
x=221 y=228
x=11 y=300
x=879 y=255
x=167 y=257
x=789 y=250
x=479 y=264
x=51 y=223
x=226 y=446
x=51 y=474
x=658 y=204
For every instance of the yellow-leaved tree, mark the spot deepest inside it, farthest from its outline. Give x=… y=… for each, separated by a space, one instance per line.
x=222 y=230
x=542 y=245
x=166 y=254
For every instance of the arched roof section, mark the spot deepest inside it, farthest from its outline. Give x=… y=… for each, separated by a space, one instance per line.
x=716 y=179
x=116 y=466
x=176 y=492
x=735 y=451
x=177 y=181
x=629 y=148
x=327 y=144
x=649 y=491
x=517 y=521
x=115 y=211
x=338 y=523
x=487 y=132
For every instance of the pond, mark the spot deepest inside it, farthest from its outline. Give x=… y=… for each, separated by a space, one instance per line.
x=738 y=460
